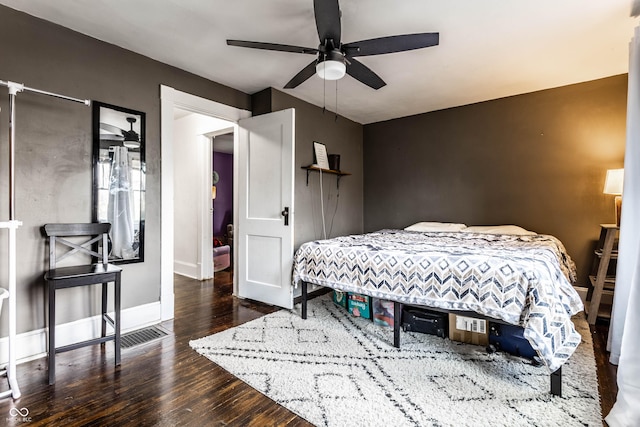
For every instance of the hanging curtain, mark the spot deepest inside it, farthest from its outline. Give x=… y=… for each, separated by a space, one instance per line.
x=624 y=329
x=120 y=208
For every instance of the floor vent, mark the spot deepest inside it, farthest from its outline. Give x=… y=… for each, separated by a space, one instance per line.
x=141 y=336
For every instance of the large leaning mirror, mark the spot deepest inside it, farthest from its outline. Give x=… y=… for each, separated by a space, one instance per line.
x=119 y=178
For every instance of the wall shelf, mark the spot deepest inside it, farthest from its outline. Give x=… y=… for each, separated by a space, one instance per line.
x=340 y=174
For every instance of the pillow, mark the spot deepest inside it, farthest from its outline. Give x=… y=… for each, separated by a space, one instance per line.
x=435 y=226
x=499 y=229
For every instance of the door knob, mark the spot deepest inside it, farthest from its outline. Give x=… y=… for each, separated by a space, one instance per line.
x=285 y=214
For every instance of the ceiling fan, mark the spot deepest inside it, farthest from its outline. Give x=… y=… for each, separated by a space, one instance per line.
x=129 y=138
x=334 y=59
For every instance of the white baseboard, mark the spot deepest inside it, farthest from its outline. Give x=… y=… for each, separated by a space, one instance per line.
x=606 y=299
x=583 y=293
x=187 y=269
x=33 y=345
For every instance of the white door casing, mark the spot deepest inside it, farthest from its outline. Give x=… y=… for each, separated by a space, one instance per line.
x=266 y=153
x=170 y=99
x=205 y=209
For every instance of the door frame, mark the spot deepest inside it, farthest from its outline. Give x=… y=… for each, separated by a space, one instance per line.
x=171 y=98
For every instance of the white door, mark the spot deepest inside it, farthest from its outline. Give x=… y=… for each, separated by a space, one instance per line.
x=265 y=207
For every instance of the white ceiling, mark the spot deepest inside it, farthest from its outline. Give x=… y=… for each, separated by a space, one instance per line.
x=488 y=49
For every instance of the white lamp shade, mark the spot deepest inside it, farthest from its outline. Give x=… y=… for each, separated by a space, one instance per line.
x=613 y=182
x=331 y=70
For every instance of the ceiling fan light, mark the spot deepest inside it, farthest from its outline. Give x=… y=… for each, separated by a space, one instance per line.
x=131 y=144
x=331 y=69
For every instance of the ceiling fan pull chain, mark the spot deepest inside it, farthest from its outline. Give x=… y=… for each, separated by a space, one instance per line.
x=324 y=96
x=336 y=101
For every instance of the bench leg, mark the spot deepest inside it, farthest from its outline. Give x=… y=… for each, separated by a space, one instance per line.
x=304 y=299
x=103 y=321
x=556 y=383
x=52 y=333
x=397 y=314
x=116 y=292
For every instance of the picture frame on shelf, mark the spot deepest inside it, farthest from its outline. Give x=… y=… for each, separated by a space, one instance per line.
x=320 y=159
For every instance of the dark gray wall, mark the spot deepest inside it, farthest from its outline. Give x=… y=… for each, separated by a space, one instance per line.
x=53 y=152
x=536 y=160
x=343 y=208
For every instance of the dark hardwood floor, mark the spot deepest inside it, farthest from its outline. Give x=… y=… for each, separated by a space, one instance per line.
x=606 y=371
x=160 y=383
x=166 y=383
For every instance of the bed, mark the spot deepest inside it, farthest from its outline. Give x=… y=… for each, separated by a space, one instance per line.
x=521 y=278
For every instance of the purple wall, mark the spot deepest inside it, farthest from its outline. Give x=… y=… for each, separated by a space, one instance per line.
x=223 y=204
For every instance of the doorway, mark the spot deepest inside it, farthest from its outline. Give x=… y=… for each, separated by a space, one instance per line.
x=222 y=194
x=194 y=191
x=172 y=99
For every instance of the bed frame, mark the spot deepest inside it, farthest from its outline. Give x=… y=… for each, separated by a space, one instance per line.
x=555 y=377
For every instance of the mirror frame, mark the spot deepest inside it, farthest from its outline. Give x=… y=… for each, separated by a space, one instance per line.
x=97 y=146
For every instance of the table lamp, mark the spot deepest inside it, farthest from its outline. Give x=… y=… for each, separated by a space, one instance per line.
x=613 y=185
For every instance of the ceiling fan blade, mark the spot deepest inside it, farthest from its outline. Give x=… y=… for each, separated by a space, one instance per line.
x=110 y=128
x=302 y=76
x=391 y=44
x=272 y=46
x=111 y=137
x=362 y=73
x=328 y=20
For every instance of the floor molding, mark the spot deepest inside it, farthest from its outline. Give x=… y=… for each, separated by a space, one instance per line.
x=33 y=344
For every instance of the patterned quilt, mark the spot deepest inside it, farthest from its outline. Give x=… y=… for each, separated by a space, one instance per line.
x=522 y=280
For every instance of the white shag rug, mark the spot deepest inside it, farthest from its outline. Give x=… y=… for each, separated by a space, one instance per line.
x=335 y=370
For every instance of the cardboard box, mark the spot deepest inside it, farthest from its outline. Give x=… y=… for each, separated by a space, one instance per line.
x=340 y=298
x=382 y=312
x=468 y=329
x=359 y=305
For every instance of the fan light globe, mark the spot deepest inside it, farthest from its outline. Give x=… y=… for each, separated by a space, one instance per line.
x=131 y=144
x=331 y=70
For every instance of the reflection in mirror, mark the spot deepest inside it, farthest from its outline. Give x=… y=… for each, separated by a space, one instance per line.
x=119 y=178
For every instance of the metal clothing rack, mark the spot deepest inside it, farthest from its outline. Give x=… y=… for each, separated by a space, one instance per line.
x=12 y=225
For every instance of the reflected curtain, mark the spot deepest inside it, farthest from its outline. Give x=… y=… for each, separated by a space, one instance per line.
x=120 y=208
x=624 y=329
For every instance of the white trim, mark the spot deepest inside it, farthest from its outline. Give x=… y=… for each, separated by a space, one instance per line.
x=205 y=210
x=166 y=202
x=33 y=344
x=219 y=132
x=187 y=269
x=170 y=99
x=236 y=198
